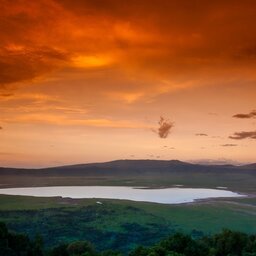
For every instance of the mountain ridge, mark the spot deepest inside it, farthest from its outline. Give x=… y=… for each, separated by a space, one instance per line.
x=126 y=165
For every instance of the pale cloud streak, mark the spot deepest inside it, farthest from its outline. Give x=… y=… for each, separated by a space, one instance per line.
x=67 y=121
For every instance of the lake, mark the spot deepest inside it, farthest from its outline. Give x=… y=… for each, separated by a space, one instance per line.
x=161 y=195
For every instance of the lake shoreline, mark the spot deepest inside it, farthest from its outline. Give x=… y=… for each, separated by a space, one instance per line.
x=163 y=195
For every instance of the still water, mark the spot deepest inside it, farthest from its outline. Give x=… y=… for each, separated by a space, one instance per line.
x=162 y=195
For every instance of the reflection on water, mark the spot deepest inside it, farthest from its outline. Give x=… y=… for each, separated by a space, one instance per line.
x=163 y=195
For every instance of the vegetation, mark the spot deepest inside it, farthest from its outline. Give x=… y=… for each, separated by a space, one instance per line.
x=226 y=243
x=122 y=225
x=65 y=224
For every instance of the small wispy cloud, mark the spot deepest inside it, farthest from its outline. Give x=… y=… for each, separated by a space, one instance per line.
x=212 y=114
x=229 y=145
x=201 y=134
x=243 y=135
x=252 y=114
x=164 y=128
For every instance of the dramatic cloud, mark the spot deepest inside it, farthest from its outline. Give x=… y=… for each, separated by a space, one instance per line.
x=243 y=135
x=176 y=37
x=165 y=127
x=252 y=114
x=201 y=134
x=229 y=145
x=18 y=63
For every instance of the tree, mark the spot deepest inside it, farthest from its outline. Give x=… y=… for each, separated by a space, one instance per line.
x=19 y=243
x=80 y=248
x=3 y=236
x=60 y=250
x=230 y=243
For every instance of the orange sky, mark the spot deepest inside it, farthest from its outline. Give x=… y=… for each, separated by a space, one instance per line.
x=87 y=80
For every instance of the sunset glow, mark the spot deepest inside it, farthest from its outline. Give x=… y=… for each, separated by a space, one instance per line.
x=88 y=81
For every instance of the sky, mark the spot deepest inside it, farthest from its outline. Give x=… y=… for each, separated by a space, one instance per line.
x=98 y=80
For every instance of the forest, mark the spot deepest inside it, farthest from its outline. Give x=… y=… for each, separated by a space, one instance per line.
x=225 y=243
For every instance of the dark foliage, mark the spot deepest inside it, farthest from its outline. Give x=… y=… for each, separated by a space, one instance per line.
x=85 y=224
x=227 y=243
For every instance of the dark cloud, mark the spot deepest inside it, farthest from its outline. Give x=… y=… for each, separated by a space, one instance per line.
x=6 y=95
x=201 y=134
x=165 y=127
x=177 y=36
x=252 y=114
x=17 y=65
x=243 y=135
x=1 y=128
x=229 y=145
x=192 y=27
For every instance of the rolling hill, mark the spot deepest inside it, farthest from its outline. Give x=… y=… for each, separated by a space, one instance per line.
x=154 y=173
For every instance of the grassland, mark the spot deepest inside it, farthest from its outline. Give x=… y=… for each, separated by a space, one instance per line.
x=120 y=224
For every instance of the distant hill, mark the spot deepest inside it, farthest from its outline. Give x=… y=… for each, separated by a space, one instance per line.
x=130 y=168
x=148 y=173
x=250 y=166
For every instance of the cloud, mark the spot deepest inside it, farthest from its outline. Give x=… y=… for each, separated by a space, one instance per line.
x=165 y=127
x=220 y=161
x=6 y=95
x=70 y=120
x=27 y=63
x=252 y=114
x=216 y=137
x=243 y=135
x=201 y=134
x=229 y=145
x=1 y=128
x=176 y=38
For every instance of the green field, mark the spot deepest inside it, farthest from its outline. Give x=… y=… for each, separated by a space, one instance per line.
x=120 y=224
